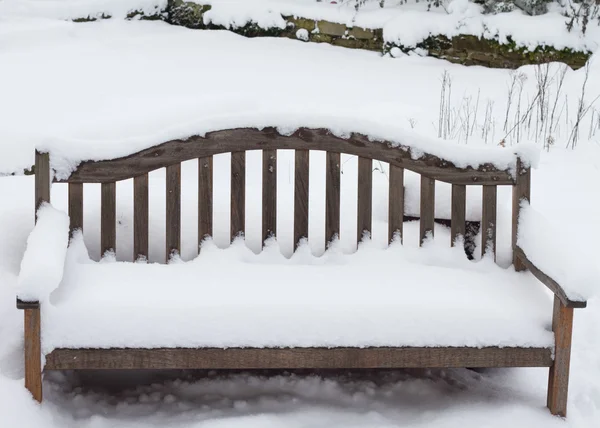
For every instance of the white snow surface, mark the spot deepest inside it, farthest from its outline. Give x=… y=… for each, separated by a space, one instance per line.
x=43 y=261
x=241 y=299
x=561 y=257
x=250 y=89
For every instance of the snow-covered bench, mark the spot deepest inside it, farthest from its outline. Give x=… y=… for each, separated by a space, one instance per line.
x=232 y=309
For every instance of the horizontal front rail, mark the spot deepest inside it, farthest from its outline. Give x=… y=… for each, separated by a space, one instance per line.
x=243 y=139
x=296 y=358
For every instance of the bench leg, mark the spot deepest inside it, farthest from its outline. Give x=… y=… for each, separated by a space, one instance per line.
x=558 y=381
x=33 y=353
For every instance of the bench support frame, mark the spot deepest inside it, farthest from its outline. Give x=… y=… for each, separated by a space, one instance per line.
x=558 y=380
x=33 y=353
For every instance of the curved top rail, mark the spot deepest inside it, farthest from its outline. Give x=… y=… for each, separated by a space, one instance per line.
x=242 y=139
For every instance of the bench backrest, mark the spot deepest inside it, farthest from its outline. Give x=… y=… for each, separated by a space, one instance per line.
x=169 y=155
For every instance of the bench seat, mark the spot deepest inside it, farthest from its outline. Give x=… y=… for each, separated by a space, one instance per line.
x=395 y=297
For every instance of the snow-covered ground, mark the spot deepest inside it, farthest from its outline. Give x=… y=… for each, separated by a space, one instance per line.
x=119 y=81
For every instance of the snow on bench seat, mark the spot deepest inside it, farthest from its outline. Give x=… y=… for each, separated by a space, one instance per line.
x=233 y=298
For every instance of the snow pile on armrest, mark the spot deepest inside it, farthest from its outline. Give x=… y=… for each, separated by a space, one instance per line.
x=44 y=259
x=561 y=257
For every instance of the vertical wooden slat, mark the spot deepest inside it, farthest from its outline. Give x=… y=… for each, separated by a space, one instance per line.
x=205 y=198
x=108 y=217
x=365 y=198
x=488 y=220
x=332 y=197
x=140 y=217
x=33 y=353
x=427 y=207
x=458 y=212
x=396 y=203
x=173 y=223
x=301 y=196
x=238 y=193
x=558 y=379
x=521 y=190
x=75 y=206
x=269 y=194
x=42 y=178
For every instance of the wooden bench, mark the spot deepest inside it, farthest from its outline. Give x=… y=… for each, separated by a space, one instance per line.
x=237 y=142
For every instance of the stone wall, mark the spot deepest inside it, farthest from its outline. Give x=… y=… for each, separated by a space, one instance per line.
x=461 y=49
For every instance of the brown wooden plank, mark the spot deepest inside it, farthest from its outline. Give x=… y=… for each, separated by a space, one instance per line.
x=108 y=217
x=140 y=217
x=458 y=212
x=205 y=198
x=488 y=219
x=396 y=203
x=269 y=194
x=521 y=191
x=238 y=193
x=427 y=207
x=295 y=358
x=75 y=207
x=365 y=198
x=558 y=379
x=236 y=140
x=301 y=196
x=547 y=281
x=173 y=223
x=332 y=196
x=42 y=178
x=33 y=353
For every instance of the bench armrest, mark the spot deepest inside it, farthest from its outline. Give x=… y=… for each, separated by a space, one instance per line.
x=44 y=259
x=556 y=258
x=549 y=282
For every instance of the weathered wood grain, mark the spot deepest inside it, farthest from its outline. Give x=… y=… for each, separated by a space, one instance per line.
x=140 y=217
x=108 y=217
x=269 y=194
x=558 y=379
x=521 y=191
x=332 y=196
x=488 y=220
x=458 y=212
x=427 y=207
x=75 y=207
x=365 y=198
x=547 y=281
x=42 y=178
x=301 y=196
x=238 y=193
x=396 y=203
x=205 y=198
x=173 y=218
x=235 y=140
x=33 y=353
x=296 y=358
